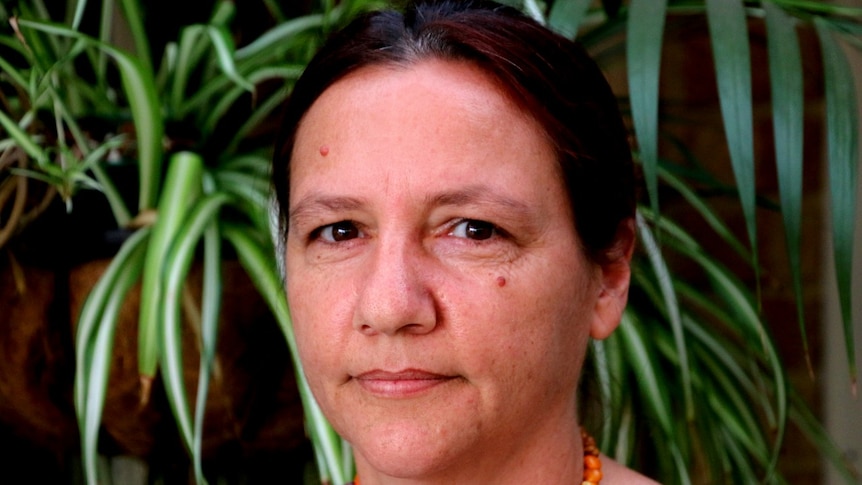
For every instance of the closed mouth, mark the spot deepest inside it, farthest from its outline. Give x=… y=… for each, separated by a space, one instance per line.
x=402 y=383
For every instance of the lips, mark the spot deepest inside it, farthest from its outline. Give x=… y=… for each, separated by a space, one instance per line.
x=404 y=383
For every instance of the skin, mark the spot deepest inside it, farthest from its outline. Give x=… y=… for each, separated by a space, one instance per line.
x=441 y=300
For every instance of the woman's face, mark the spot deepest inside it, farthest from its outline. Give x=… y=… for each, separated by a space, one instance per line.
x=440 y=298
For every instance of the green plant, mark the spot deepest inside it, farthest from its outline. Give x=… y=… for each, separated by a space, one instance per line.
x=199 y=113
x=704 y=351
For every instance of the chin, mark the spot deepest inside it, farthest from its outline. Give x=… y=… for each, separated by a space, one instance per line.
x=408 y=452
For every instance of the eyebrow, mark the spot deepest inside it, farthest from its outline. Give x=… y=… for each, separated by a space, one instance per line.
x=478 y=194
x=315 y=202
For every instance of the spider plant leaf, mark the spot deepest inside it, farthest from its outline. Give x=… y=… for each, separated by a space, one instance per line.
x=748 y=323
x=643 y=365
x=13 y=74
x=257 y=117
x=181 y=189
x=139 y=87
x=811 y=427
x=729 y=35
x=259 y=263
x=135 y=22
x=534 y=10
x=732 y=408
x=268 y=41
x=105 y=34
x=842 y=133
x=184 y=64
x=743 y=471
x=216 y=113
x=176 y=267
x=210 y=307
x=701 y=207
x=94 y=342
x=80 y=6
x=785 y=75
x=216 y=87
x=24 y=140
x=225 y=49
x=643 y=60
x=616 y=366
x=602 y=376
x=566 y=16
x=671 y=304
x=822 y=8
x=721 y=351
x=651 y=389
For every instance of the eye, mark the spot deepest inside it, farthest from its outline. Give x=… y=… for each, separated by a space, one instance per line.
x=338 y=232
x=475 y=230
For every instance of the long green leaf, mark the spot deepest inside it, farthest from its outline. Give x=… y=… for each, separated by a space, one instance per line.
x=272 y=38
x=701 y=207
x=260 y=265
x=135 y=21
x=139 y=86
x=785 y=75
x=812 y=428
x=184 y=64
x=211 y=304
x=842 y=133
x=94 y=341
x=665 y=284
x=751 y=326
x=729 y=34
x=643 y=365
x=566 y=16
x=643 y=60
x=182 y=188
x=23 y=140
x=176 y=267
x=534 y=10
x=225 y=49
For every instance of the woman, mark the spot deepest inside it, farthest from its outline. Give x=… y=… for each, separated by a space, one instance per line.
x=456 y=197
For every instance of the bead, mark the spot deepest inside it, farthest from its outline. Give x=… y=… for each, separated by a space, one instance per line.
x=592 y=462
x=592 y=475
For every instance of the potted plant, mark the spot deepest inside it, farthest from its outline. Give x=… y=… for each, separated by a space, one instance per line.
x=194 y=127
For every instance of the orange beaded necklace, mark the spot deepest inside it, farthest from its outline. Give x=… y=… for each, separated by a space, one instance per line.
x=592 y=462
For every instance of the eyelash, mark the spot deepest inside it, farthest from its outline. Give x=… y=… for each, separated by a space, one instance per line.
x=318 y=233
x=496 y=232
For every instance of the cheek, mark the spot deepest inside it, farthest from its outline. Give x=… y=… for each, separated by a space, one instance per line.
x=313 y=312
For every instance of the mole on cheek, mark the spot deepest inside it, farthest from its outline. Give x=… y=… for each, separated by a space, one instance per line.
x=324 y=150
x=501 y=282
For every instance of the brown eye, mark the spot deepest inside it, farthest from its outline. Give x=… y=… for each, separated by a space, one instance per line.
x=475 y=230
x=340 y=231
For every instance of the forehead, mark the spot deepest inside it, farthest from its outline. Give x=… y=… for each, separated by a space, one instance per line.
x=450 y=118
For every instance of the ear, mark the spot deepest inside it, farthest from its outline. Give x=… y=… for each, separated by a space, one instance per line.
x=614 y=275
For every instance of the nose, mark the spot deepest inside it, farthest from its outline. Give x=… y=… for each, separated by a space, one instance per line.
x=396 y=297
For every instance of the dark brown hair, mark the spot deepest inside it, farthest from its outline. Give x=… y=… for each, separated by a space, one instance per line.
x=551 y=77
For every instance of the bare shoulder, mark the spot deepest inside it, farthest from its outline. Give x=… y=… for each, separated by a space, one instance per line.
x=615 y=474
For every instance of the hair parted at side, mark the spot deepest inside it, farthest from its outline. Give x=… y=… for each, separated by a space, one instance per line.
x=551 y=77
